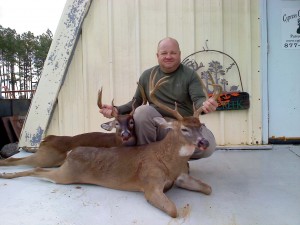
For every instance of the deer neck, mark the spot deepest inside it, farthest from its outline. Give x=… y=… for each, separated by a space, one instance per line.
x=174 y=149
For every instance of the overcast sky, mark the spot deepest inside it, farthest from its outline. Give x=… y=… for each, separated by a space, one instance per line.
x=31 y=15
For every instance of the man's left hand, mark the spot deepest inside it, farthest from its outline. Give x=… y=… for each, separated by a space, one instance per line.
x=209 y=105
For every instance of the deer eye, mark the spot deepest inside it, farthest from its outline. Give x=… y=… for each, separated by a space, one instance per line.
x=184 y=130
x=131 y=123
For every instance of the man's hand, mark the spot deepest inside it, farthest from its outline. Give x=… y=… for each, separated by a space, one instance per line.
x=209 y=105
x=107 y=110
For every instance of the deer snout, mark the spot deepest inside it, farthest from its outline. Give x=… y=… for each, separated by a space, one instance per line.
x=125 y=135
x=203 y=143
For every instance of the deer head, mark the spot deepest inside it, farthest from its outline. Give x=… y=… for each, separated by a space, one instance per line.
x=124 y=124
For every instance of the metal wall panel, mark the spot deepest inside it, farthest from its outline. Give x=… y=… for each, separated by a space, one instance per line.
x=119 y=39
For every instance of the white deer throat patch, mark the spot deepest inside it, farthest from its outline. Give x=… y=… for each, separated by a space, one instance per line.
x=186 y=150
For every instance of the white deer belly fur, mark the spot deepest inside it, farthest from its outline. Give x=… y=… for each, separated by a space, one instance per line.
x=186 y=150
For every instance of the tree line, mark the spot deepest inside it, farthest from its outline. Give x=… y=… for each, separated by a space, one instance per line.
x=22 y=58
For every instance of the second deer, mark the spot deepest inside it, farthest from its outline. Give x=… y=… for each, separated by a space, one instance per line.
x=53 y=149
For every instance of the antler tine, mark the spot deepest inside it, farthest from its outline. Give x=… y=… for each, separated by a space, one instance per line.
x=132 y=107
x=217 y=88
x=143 y=97
x=99 y=100
x=153 y=87
x=210 y=77
x=142 y=93
x=217 y=91
x=113 y=113
x=198 y=111
x=216 y=94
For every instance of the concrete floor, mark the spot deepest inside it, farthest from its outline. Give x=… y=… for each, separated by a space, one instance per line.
x=249 y=187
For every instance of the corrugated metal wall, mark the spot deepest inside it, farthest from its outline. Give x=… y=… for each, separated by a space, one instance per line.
x=119 y=40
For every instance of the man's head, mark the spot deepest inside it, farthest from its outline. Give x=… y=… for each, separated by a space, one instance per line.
x=168 y=55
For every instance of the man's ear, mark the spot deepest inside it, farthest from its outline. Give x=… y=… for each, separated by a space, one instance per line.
x=163 y=123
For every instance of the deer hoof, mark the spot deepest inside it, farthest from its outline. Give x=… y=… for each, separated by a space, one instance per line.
x=206 y=189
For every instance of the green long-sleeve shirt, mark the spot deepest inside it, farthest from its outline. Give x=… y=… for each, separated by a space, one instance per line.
x=183 y=87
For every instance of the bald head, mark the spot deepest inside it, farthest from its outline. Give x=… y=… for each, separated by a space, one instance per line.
x=168 y=55
x=168 y=40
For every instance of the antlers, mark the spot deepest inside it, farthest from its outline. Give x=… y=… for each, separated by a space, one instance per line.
x=216 y=94
x=114 y=114
x=142 y=93
x=217 y=88
x=99 y=103
x=154 y=87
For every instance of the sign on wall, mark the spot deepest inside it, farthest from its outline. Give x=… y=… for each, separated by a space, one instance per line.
x=223 y=70
x=290 y=28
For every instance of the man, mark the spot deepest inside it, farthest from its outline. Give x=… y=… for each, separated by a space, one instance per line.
x=183 y=87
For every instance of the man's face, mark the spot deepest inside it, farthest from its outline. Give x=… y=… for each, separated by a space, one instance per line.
x=168 y=55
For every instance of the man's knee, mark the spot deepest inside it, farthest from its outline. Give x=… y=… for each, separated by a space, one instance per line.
x=145 y=126
x=139 y=113
x=145 y=113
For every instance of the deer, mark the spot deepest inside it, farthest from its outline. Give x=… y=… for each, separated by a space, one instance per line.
x=151 y=169
x=53 y=149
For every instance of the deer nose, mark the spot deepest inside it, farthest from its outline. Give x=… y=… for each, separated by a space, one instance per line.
x=125 y=135
x=203 y=143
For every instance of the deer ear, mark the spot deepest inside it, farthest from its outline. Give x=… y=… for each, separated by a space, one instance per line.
x=108 y=125
x=160 y=121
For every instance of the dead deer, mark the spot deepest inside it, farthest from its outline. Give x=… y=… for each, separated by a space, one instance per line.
x=53 y=149
x=151 y=169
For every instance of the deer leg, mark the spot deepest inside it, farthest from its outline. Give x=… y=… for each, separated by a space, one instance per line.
x=157 y=198
x=40 y=159
x=32 y=160
x=188 y=182
x=53 y=175
x=19 y=174
x=12 y=161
